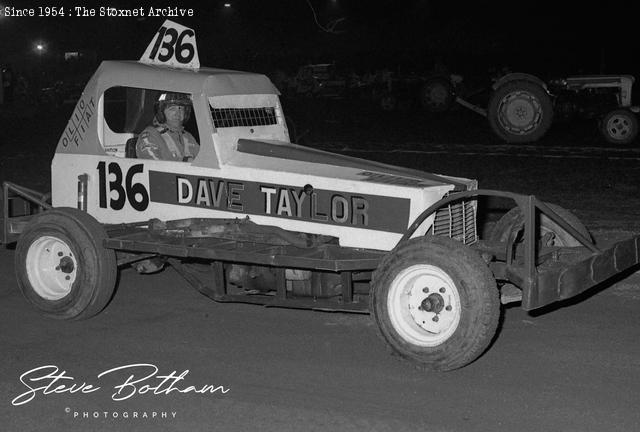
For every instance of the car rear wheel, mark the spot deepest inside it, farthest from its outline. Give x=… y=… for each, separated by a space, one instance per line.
x=435 y=302
x=62 y=267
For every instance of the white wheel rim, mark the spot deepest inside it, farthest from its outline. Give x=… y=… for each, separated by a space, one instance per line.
x=618 y=127
x=424 y=305
x=520 y=113
x=51 y=267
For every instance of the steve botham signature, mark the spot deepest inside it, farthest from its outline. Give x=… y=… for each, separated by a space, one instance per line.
x=143 y=378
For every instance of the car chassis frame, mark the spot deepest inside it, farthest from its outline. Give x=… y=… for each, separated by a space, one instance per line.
x=545 y=274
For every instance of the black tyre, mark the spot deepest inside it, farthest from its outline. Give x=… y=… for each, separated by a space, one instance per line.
x=62 y=267
x=550 y=232
x=435 y=302
x=436 y=95
x=620 y=127
x=520 y=111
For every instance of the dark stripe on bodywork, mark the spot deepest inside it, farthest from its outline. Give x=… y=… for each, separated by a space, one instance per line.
x=382 y=213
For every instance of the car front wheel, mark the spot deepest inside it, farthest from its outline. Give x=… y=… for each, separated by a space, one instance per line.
x=435 y=302
x=550 y=233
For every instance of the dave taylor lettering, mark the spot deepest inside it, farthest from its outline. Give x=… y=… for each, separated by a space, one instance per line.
x=210 y=193
x=141 y=378
x=289 y=202
x=280 y=201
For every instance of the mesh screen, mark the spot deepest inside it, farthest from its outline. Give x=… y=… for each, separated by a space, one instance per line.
x=235 y=117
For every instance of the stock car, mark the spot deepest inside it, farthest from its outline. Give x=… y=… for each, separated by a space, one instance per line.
x=255 y=218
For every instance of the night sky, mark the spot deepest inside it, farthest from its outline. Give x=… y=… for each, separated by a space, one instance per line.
x=264 y=35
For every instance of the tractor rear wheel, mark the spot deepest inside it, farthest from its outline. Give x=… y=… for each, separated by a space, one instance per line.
x=520 y=111
x=436 y=95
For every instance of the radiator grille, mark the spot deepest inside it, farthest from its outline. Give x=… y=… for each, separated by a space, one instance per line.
x=457 y=221
x=234 y=117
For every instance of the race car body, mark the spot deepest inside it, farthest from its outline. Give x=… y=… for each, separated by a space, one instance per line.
x=246 y=165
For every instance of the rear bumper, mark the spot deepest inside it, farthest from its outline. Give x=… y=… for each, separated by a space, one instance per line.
x=17 y=207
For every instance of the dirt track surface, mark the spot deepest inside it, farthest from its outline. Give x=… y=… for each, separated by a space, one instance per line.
x=572 y=367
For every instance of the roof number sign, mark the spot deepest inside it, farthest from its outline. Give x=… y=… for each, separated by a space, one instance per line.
x=173 y=45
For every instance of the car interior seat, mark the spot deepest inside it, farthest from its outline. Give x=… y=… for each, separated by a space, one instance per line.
x=130 y=148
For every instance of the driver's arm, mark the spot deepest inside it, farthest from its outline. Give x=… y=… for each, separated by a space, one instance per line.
x=147 y=146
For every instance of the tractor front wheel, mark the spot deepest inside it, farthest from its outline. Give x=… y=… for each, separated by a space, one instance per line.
x=619 y=127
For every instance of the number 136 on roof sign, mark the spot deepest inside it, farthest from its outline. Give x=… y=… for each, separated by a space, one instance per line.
x=173 y=45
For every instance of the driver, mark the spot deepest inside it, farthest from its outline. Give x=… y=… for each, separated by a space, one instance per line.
x=167 y=139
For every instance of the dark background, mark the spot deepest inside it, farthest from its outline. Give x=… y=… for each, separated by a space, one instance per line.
x=543 y=38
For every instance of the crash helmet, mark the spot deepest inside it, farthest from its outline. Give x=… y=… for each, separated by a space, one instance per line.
x=171 y=98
